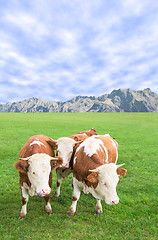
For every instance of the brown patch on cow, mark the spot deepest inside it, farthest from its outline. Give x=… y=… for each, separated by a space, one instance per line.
x=23 y=200
x=58 y=184
x=121 y=172
x=47 y=198
x=24 y=179
x=93 y=177
x=82 y=166
x=45 y=147
x=110 y=147
x=74 y=198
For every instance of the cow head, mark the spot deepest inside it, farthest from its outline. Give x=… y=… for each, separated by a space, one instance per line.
x=38 y=168
x=65 y=147
x=106 y=176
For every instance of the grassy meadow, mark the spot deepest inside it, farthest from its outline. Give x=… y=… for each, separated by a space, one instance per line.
x=135 y=217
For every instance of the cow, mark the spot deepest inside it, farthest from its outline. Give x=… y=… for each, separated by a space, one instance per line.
x=35 y=165
x=95 y=171
x=66 y=148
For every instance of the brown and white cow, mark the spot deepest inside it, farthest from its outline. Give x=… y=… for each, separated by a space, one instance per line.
x=35 y=165
x=66 y=148
x=95 y=171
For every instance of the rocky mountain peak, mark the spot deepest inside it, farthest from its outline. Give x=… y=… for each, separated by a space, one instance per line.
x=119 y=100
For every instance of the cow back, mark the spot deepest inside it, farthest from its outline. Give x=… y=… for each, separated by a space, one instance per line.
x=36 y=144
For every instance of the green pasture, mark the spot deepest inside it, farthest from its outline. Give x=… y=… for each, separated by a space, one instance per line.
x=135 y=217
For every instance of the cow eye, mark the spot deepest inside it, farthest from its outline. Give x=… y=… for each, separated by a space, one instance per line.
x=33 y=173
x=105 y=185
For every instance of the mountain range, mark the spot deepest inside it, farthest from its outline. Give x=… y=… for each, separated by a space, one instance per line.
x=120 y=100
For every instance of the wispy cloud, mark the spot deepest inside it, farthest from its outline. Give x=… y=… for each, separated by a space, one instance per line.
x=59 y=49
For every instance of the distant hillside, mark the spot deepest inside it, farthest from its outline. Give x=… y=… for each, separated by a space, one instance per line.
x=117 y=101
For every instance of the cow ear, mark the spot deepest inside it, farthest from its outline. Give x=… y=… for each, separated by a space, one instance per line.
x=93 y=177
x=55 y=162
x=121 y=172
x=22 y=166
x=52 y=143
x=76 y=138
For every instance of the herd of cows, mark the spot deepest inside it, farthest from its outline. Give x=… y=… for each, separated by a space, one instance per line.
x=90 y=157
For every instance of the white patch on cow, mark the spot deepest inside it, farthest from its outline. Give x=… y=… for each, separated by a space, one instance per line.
x=92 y=145
x=48 y=208
x=76 y=193
x=36 y=142
x=99 y=207
x=38 y=174
x=65 y=149
x=25 y=195
x=74 y=160
x=85 y=189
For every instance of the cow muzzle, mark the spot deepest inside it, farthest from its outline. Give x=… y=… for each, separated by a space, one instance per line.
x=64 y=165
x=114 y=202
x=44 y=192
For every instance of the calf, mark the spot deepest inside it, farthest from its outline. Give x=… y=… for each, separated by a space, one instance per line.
x=35 y=165
x=95 y=170
x=66 y=148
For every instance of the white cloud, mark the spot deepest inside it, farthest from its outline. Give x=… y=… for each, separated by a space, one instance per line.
x=61 y=49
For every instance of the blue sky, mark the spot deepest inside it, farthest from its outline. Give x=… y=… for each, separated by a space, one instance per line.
x=57 y=49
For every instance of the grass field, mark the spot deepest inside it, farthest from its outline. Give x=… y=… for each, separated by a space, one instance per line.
x=135 y=217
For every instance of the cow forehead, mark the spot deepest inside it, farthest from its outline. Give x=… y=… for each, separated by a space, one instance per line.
x=109 y=168
x=65 y=143
x=108 y=173
x=38 y=161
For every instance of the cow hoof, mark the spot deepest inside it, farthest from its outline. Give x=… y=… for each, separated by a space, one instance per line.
x=99 y=212
x=55 y=197
x=49 y=211
x=22 y=215
x=71 y=212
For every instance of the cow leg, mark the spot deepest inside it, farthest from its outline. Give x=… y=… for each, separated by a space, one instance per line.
x=25 y=198
x=75 y=197
x=99 y=207
x=48 y=207
x=59 y=182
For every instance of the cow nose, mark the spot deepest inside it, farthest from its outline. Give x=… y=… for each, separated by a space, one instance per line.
x=65 y=165
x=114 y=202
x=44 y=192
